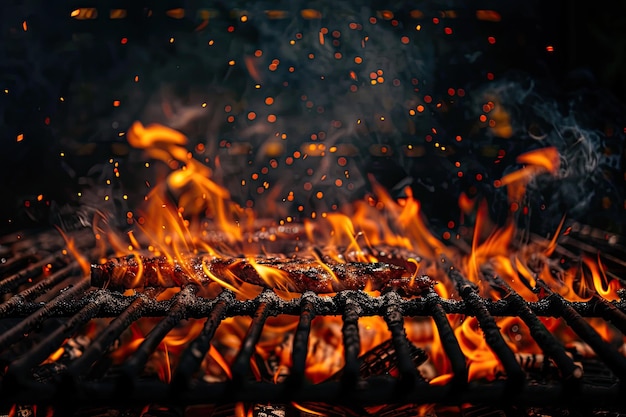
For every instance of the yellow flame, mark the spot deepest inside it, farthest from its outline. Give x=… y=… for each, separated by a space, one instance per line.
x=172 y=225
x=525 y=272
x=497 y=244
x=605 y=288
x=54 y=356
x=273 y=277
x=343 y=235
x=482 y=362
x=165 y=370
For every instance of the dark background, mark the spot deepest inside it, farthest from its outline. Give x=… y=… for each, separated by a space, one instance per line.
x=53 y=58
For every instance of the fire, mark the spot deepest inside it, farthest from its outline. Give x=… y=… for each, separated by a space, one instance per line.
x=188 y=213
x=80 y=259
x=539 y=161
x=196 y=194
x=274 y=278
x=483 y=364
x=602 y=286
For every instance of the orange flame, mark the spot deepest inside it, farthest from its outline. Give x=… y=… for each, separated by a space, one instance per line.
x=197 y=195
x=84 y=264
x=535 y=163
x=605 y=288
x=482 y=362
x=495 y=246
x=188 y=213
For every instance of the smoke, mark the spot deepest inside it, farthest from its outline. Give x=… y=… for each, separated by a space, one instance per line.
x=583 y=125
x=295 y=107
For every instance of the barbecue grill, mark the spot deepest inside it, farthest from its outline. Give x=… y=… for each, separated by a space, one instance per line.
x=68 y=347
x=47 y=302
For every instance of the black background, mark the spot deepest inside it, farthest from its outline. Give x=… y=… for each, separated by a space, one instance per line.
x=39 y=66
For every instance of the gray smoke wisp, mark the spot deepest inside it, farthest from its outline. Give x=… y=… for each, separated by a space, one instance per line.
x=589 y=143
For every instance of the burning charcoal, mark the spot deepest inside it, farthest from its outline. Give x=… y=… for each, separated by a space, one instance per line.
x=275 y=410
x=48 y=371
x=73 y=348
x=24 y=411
x=382 y=360
x=539 y=365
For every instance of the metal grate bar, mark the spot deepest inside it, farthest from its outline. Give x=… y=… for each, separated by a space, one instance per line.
x=395 y=322
x=610 y=313
x=135 y=363
x=378 y=390
x=193 y=355
x=241 y=364
x=351 y=343
x=613 y=359
x=491 y=331
x=10 y=283
x=301 y=343
x=17 y=332
x=115 y=303
x=38 y=289
x=19 y=370
x=20 y=261
x=448 y=340
x=548 y=343
x=106 y=337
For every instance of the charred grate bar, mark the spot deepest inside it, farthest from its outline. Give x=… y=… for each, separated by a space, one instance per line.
x=125 y=386
x=113 y=304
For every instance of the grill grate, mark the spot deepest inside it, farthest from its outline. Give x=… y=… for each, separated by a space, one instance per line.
x=66 y=298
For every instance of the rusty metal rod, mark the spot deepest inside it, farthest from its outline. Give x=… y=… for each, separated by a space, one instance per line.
x=192 y=356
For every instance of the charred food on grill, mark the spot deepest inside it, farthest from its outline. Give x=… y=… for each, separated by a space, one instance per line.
x=296 y=275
